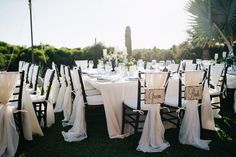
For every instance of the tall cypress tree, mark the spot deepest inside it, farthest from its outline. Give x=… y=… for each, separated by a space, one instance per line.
x=128 y=42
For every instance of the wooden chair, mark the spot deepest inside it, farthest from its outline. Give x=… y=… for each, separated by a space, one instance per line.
x=83 y=64
x=133 y=108
x=30 y=75
x=16 y=105
x=40 y=101
x=173 y=103
x=217 y=85
x=91 y=101
x=26 y=69
x=176 y=102
x=20 y=65
x=57 y=84
x=62 y=73
x=57 y=73
x=34 y=80
x=69 y=80
x=174 y=68
x=68 y=96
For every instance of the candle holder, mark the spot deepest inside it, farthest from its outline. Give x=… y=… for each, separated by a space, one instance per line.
x=113 y=64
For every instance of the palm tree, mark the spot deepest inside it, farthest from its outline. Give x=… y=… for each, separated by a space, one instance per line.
x=212 y=21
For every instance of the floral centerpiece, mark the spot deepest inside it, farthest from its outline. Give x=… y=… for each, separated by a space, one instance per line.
x=131 y=61
x=121 y=58
x=117 y=57
x=112 y=58
x=105 y=59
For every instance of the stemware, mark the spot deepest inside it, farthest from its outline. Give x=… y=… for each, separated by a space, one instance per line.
x=90 y=64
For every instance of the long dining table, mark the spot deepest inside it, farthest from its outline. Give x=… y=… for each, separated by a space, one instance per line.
x=115 y=88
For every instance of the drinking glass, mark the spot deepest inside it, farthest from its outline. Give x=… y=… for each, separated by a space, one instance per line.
x=90 y=64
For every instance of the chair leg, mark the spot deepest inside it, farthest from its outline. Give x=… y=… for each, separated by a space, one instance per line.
x=86 y=120
x=40 y=113
x=220 y=105
x=45 y=114
x=221 y=108
x=200 y=118
x=19 y=127
x=178 y=120
x=37 y=111
x=123 y=120
x=178 y=123
x=136 y=123
x=181 y=116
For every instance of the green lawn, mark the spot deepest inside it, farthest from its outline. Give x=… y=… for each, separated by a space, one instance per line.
x=99 y=144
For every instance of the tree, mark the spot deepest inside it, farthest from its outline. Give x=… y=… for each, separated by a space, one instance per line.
x=2 y=62
x=128 y=42
x=212 y=21
x=95 y=52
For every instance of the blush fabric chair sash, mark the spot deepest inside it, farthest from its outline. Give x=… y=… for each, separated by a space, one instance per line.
x=9 y=137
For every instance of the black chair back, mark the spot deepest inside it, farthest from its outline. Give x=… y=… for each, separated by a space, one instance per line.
x=49 y=84
x=34 y=78
x=82 y=86
x=17 y=99
x=142 y=86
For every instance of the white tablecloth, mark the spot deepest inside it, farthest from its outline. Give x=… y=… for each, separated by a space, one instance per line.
x=113 y=93
x=113 y=96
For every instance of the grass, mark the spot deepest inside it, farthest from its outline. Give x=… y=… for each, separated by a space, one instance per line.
x=99 y=144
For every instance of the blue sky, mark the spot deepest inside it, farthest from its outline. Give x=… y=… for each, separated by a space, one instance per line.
x=76 y=23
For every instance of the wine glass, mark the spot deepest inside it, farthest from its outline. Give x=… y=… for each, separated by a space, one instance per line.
x=90 y=64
